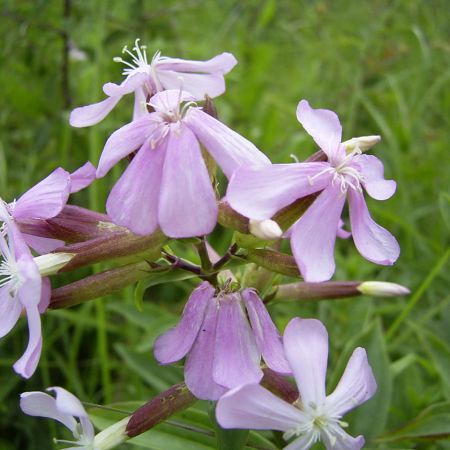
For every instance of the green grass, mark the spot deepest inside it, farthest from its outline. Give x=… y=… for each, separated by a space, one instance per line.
x=383 y=66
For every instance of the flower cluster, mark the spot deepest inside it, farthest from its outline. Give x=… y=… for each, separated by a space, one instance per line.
x=169 y=191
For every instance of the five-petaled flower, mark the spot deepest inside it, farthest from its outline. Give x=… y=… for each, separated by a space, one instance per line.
x=66 y=409
x=314 y=416
x=260 y=193
x=199 y=78
x=223 y=347
x=167 y=182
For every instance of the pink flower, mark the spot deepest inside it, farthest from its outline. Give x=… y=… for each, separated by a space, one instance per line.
x=21 y=288
x=46 y=200
x=66 y=409
x=260 y=193
x=167 y=183
x=199 y=78
x=223 y=348
x=314 y=416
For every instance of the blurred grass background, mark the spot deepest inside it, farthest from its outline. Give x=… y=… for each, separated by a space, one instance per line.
x=383 y=66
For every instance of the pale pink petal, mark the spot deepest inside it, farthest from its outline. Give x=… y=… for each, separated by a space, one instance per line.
x=301 y=443
x=341 y=231
x=46 y=199
x=374 y=242
x=198 y=85
x=85 y=116
x=306 y=346
x=46 y=292
x=228 y=148
x=82 y=177
x=259 y=193
x=133 y=201
x=372 y=170
x=314 y=235
x=130 y=84
x=236 y=356
x=253 y=407
x=175 y=343
x=27 y=364
x=322 y=125
x=187 y=203
x=222 y=63
x=67 y=403
x=267 y=337
x=355 y=387
x=124 y=141
x=39 y=404
x=343 y=442
x=140 y=104
x=198 y=369
x=42 y=245
x=10 y=310
x=30 y=290
x=169 y=100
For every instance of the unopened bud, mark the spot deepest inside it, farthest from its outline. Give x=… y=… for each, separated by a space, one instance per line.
x=52 y=263
x=382 y=289
x=112 y=436
x=364 y=143
x=265 y=229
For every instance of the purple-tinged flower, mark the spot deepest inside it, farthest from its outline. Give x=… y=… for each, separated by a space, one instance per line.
x=260 y=193
x=167 y=183
x=223 y=348
x=66 y=409
x=199 y=78
x=46 y=200
x=21 y=288
x=314 y=416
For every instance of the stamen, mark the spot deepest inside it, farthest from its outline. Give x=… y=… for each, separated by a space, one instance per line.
x=294 y=157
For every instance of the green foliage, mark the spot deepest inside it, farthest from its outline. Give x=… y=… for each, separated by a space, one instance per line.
x=382 y=65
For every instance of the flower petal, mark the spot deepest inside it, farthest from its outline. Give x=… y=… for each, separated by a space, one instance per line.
x=130 y=84
x=222 y=63
x=374 y=242
x=322 y=125
x=28 y=362
x=259 y=193
x=175 y=343
x=254 y=407
x=67 y=403
x=46 y=293
x=314 y=235
x=42 y=245
x=133 y=201
x=341 y=231
x=124 y=141
x=356 y=385
x=85 y=116
x=372 y=170
x=236 y=356
x=140 y=104
x=267 y=337
x=46 y=199
x=10 y=310
x=343 y=441
x=198 y=369
x=306 y=346
x=187 y=203
x=39 y=404
x=82 y=177
x=169 y=100
x=228 y=148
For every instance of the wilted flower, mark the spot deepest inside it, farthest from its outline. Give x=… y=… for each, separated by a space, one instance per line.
x=223 y=349
x=260 y=193
x=314 y=416
x=167 y=182
x=144 y=78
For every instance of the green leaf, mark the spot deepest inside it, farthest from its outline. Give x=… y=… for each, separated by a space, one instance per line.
x=432 y=423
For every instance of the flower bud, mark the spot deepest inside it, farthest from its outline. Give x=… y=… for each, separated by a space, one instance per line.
x=362 y=142
x=265 y=229
x=52 y=263
x=112 y=436
x=382 y=289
